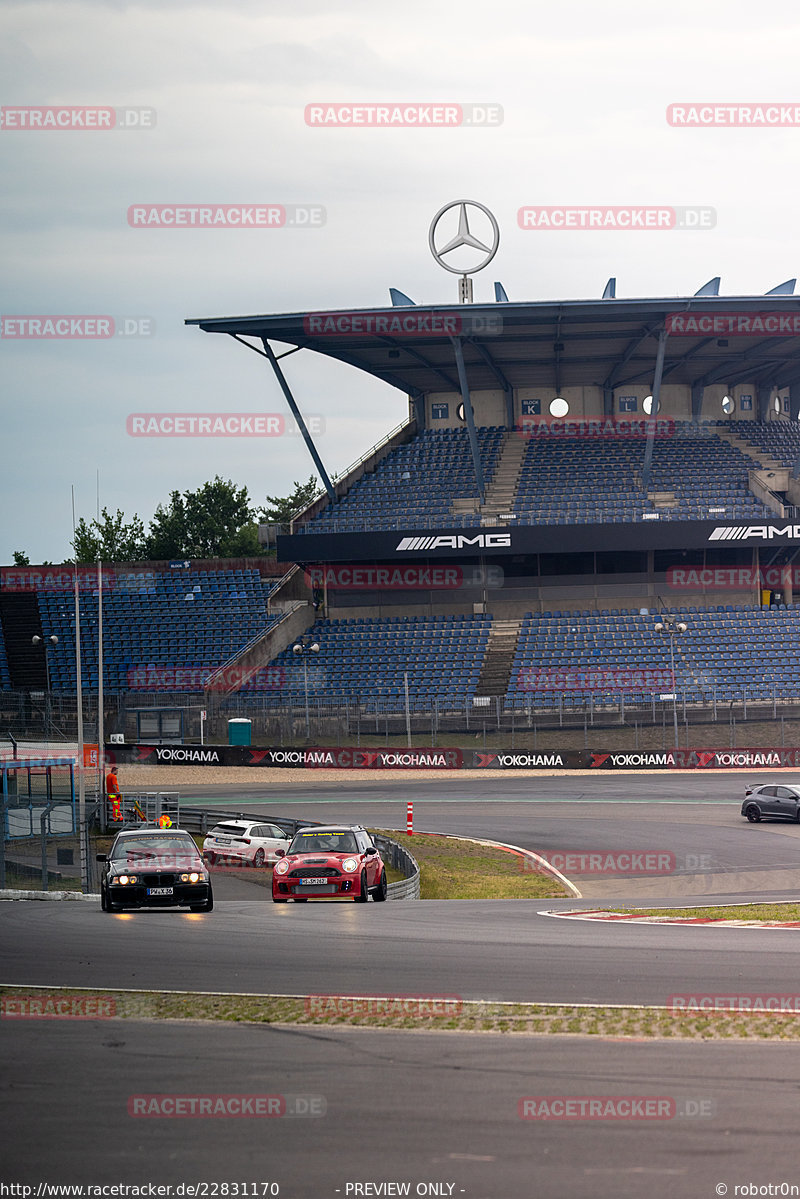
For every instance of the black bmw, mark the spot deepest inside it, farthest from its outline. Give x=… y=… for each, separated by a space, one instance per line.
x=154 y=868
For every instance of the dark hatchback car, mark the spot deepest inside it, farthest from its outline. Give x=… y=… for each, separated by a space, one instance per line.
x=781 y=800
x=154 y=868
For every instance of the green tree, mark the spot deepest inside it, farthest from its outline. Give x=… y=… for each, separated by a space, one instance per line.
x=215 y=521
x=110 y=539
x=280 y=510
x=21 y=559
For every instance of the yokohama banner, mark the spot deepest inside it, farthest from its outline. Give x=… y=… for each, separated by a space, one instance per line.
x=302 y=758
x=438 y=758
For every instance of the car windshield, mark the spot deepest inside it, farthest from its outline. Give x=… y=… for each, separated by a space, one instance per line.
x=330 y=842
x=228 y=830
x=150 y=849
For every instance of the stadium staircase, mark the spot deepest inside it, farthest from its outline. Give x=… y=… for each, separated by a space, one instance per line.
x=19 y=618
x=502 y=490
x=765 y=460
x=499 y=660
x=294 y=616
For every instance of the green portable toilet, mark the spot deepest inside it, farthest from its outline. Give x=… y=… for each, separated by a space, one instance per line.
x=239 y=731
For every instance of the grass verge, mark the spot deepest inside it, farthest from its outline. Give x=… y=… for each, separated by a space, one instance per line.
x=451 y=868
x=739 y=911
x=648 y=1023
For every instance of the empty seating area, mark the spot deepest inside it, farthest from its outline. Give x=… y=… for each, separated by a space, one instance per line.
x=415 y=485
x=5 y=677
x=581 y=480
x=562 y=657
x=366 y=659
x=779 y=439
x=161 y=632
x=563 y=480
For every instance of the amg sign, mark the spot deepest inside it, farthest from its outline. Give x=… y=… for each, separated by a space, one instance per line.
x=455 y=541
x=755 y=532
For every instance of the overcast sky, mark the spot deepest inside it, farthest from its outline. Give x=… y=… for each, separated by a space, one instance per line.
x=584 y=90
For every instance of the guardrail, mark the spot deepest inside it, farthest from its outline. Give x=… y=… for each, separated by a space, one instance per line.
x=199 y=820
x=402 y=860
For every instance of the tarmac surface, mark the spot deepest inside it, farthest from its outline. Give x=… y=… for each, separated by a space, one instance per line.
x=423 y=1108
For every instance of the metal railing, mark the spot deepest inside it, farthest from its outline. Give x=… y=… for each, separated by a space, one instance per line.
x=401 y=860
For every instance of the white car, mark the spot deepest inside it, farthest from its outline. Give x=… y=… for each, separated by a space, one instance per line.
x=246 y=842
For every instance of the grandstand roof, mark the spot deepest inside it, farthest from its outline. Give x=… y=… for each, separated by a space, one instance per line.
x=549 y=344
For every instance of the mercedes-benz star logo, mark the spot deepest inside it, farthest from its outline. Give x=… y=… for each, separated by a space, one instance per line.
x=464 y=237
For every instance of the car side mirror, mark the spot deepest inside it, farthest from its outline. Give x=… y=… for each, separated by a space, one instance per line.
x=280 y=853
x=101 y=857
x=370 y=849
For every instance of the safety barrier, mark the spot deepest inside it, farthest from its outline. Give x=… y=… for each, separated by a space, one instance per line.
x=401 y=860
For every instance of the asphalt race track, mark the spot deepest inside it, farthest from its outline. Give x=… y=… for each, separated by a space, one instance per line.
x=423 y=1107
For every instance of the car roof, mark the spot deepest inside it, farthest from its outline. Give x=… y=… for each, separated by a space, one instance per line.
x=331 y=828
x=155 y=830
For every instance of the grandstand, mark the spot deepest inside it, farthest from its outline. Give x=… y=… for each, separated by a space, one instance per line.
x=515 y=540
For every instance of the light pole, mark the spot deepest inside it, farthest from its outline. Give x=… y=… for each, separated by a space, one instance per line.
x=670 y=625
x=46 y=643
x=306 y=645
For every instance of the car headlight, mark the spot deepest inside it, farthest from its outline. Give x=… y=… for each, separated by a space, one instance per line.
x=125 y=879
x=350 y=864
x=282 y=866
x=194 y=877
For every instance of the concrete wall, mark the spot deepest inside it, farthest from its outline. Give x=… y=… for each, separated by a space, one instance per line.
x=676 y=402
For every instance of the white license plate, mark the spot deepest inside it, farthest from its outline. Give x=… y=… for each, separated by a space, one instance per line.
x=222 y=840
x=159 y=890
x=312 y=882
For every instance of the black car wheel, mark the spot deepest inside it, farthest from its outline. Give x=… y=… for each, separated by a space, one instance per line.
x=208 y=906
x=753 y=813
x=379 y=894
x=103 y=898
x=364 y=896
x=258 y=860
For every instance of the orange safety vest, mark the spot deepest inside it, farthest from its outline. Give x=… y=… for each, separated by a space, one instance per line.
x=114 y=796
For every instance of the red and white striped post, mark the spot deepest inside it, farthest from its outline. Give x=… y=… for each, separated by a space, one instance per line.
x=410 y=819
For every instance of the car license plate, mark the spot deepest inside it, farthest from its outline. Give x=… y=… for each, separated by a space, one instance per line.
x=312 y=882
x=222 y=840
x=159 y=890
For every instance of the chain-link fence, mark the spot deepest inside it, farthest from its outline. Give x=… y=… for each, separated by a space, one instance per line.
x=764 y=716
